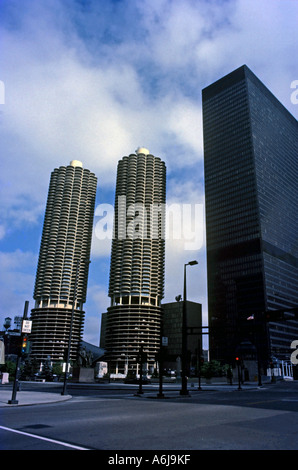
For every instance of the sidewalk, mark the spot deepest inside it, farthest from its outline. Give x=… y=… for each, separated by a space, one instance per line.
x=30 y=398
x=36 y=398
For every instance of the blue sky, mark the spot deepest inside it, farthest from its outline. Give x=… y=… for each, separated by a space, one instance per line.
x=93 y=80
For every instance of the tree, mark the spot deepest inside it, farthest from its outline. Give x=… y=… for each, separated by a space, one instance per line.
x=9 y=367
x=29 y=369
x=211 y=369
x=57 y=369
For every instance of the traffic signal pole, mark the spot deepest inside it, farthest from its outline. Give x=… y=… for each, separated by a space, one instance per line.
x=13 y=400
x=140 y=362
x=239 y=377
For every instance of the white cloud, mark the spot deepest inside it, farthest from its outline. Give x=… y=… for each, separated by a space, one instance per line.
x=63 y=103
x=16 y=282
x=60 y=108
x=185 y=123
x=17 y=259
x=100 y=247
x=190 y=246
x=94 y=80
x=97 y=303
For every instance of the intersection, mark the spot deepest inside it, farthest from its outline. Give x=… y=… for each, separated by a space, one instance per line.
x=109 y=419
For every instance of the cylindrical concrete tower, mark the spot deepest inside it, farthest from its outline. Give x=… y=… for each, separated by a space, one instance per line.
x=137 y=262
x=63 y=265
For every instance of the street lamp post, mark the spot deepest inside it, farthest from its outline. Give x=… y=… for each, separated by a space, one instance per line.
x=184 y=390
x=160 y=393
x=199 y=364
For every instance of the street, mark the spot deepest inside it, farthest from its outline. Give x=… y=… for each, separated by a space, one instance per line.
x=113 y=418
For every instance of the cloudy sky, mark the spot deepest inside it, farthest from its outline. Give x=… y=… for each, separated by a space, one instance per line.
x=94 y=79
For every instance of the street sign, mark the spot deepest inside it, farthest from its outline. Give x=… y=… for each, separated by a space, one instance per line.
x=26 y=326
x=164 y=341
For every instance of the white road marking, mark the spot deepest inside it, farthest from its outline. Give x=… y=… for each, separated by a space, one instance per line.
x=43 y=438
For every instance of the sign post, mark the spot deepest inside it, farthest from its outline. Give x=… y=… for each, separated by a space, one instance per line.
x=13 y=400
x=26 y=326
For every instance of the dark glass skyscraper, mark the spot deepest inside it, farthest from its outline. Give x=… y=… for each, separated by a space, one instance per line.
x=251 y=174
x=63 y=264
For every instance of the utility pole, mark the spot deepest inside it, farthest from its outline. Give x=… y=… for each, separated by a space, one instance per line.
x=13 y=400
x=184 y=390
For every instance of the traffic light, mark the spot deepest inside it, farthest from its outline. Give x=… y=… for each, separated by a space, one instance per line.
x=24 y=346
x=237 y=358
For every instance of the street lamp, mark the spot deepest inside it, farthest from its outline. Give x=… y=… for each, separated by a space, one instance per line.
x=183 y=390
x=71 y=325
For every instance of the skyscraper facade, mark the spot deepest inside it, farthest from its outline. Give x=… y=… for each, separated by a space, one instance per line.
x=251 y=171
x=136 y=284
x=63 y=265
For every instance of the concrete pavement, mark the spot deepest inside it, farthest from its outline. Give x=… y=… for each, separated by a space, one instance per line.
x=30 y=398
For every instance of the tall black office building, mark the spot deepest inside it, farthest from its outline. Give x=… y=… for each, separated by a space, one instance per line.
x=251 y=174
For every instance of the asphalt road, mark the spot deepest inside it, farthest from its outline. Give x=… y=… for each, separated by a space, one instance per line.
x=113 y=419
